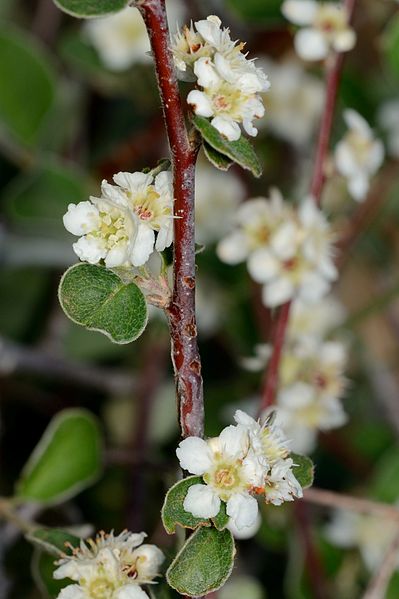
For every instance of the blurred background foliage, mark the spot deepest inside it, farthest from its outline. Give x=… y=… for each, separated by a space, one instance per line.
x=66 y=122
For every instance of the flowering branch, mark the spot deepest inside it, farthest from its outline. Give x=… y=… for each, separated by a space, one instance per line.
x=181 y=312
x=316 y=189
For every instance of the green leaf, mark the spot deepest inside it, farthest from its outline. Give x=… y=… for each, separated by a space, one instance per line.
x=66 y=460
x=96 y=298
x=303 y=470
x=172 y=510
x=391 y=44
x=38 y=200
x=90 y=8
x=216 y=158
x=204 y=563
x=239 y=151
x=221 y=520
x=53 y=541
x=27 y=92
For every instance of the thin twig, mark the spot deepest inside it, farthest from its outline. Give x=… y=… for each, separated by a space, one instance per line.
x=314 y=564
x=380 y=581
x=15 y=358
x=331 y=499
x=181 y=312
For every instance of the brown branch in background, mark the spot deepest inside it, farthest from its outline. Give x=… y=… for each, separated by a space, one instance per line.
x=181 y=312
x=46 y=21
x=380 y=581
x=15 y=358
x=331 y=499
x=314 y=564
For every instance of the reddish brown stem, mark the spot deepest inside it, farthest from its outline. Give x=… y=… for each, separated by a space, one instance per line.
x=316 y=189
x=314 y=565
x=181 y=313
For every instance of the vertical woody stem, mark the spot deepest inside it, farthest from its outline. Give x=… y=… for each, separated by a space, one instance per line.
x=316 y=188
x=181 y=312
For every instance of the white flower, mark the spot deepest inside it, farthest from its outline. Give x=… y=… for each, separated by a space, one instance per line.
x=121 y=39
x=388 y=117
x=255 y=221
x=230 y=82
x=296 y=261
x=326 y=28
x=311 y=385
x=217 y=198
x=120 y=226
x=359 y=155
x=372 y=535
x=111 y=567
x=314 y=320
x=229 y=471
x=267 y=440
x=294 y=102
x=281 y=484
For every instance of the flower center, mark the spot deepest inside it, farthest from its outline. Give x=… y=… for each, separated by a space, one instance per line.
x=225 y=478
x=101 y=588
x=143 y=213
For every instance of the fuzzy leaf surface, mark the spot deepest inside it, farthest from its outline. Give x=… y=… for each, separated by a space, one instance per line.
x=303 y=470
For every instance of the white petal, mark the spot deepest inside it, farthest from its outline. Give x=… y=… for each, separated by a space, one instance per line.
x=358 y=186
x=262 y=265
x=249 y=128
x=227 y=127
x=310 y=44
x=164 y=184
x=117 y=256
x=300 y=12
x=206 y=73
x=72 y=591
x=355 y=121
x=194 y=455
x=90 y=249
x=202 y=502
x=148 y=560
x=283 y=241
x=210 y=30
x=277 y=292
x=233 y=441
x=165 y=236
x=313 y=287
x=242 y=509
x=233 y=249
x=113 y=194
x=376 y=156
x=247 y=532
x=130 y=591
x=143 y=245
x=133 y=182
x=200 y=103
x=81 y=218
x=344 y=41
x=245 y=419
x=345 y=159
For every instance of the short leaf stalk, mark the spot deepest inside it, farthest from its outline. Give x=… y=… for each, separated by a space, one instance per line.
x=334 y=69
x=181 y=311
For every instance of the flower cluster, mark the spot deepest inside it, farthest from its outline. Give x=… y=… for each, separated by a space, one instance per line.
x=311 y=381
x=288 y=251
x=228 y=83
x=359 y=155
x=120 y=226
x=246 y=460
x=326 y=28
x=111 y=567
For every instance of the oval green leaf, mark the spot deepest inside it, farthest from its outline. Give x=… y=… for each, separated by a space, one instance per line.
x=27 y=93
x=67 y=459
x=173 y=511
x=239 y=151
x=216 y=158
x=90 y=8
x=97 y=298
x=303 y=470
x=53 y=541
x=203 y=564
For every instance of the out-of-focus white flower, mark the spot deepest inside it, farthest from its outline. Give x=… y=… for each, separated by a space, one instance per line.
x=314 y=320
x=239 y=586
x=111 y=567
x=121 y=39
x=388 y=118
x=217 y=198
x=210 y=303
x=229 y=83
x=371 y=535
x=325 y=28
x=358 y=155
x=120 y=226
x=229 y=471
x=294 y=102
x=296 y=262
x=245 y=460
x=255 y=222
x=311 y=385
